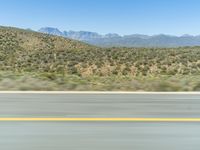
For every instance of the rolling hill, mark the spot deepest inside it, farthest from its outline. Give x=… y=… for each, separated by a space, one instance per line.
x=35 y=61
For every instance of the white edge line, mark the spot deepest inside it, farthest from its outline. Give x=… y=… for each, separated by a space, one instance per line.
x=97 y=92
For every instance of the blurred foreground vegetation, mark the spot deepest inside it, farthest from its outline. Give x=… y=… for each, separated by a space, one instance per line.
x=58 y=82
x=35 y=61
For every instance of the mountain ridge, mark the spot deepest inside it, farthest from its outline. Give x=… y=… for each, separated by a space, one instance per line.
x=132 y=40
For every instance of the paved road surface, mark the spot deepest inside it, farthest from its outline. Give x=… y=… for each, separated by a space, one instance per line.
x=99 y=105
x=99 y=135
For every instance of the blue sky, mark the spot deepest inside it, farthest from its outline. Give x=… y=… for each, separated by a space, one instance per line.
x=175 y=17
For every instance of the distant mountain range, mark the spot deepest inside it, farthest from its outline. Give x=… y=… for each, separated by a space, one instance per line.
x=134 y=40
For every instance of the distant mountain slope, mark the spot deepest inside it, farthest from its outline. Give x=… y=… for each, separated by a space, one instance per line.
x=135 y=40
x=80 y=35
x=53 y=31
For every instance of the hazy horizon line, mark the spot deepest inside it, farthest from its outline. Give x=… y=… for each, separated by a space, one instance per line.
x=103 y=34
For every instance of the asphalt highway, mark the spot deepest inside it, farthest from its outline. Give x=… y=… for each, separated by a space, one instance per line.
x=102 y=135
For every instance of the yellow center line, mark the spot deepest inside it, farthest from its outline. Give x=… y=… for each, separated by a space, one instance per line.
x=105 y=119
